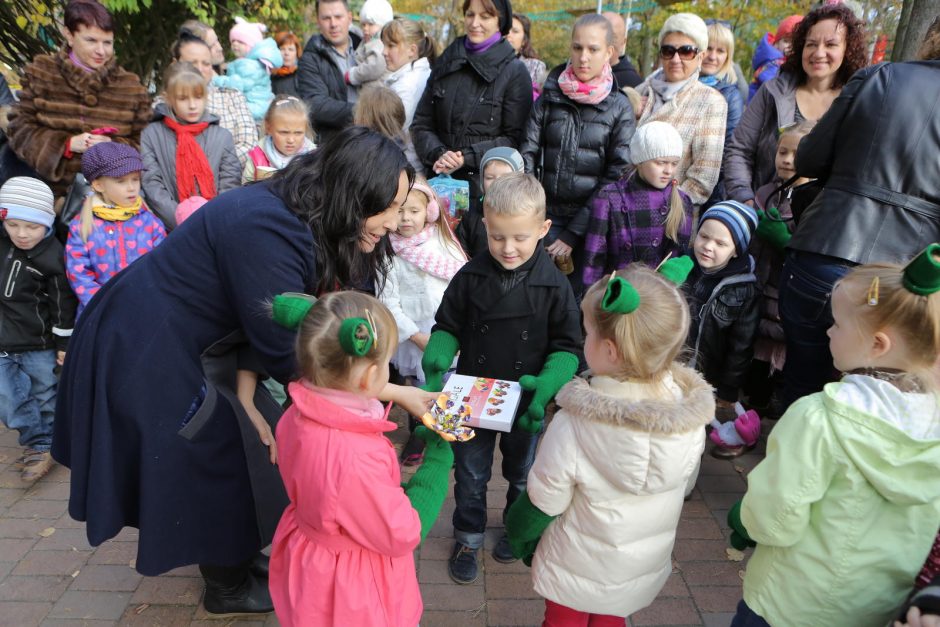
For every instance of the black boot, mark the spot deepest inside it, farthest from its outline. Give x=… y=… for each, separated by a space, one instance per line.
x=234 y=590
x=259 y=566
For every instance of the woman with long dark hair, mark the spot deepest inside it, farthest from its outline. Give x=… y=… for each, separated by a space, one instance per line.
x=520 y=38
x=147 y=417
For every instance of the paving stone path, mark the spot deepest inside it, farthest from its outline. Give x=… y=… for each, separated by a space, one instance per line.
x=50 y=576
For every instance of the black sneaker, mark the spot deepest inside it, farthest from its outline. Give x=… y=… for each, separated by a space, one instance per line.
x=502 y=552
x=463 y=567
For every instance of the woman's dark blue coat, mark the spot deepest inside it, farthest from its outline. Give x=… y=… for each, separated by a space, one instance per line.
x=144 y=416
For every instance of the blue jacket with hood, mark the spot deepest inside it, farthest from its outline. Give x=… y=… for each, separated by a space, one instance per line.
x=765 y=65
x=252 y=77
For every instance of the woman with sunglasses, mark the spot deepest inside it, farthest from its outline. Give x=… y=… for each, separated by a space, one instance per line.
x=674 y=95
x=829 y=46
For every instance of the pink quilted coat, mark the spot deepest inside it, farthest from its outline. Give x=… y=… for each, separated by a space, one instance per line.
x=343 y=550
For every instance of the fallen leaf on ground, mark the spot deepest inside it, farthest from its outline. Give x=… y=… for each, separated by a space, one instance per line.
x=140 y=608
x=48 y=531
x=75 y=574
x=739 y=469
x=734 y=555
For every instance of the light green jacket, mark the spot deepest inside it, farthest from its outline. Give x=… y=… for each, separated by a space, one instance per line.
x=845 y=507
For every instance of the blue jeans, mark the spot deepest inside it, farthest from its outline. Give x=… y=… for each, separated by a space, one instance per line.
x=806 y=314
x=474 y=464
x=27 y=396
x=746 y=617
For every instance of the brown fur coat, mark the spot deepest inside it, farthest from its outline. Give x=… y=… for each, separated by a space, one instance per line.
x=59 y=100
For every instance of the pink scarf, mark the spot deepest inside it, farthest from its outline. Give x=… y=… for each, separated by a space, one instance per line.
x=592 y=92
x=428 y=258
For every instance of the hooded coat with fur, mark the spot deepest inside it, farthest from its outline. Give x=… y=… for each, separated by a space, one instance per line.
x=614 y=465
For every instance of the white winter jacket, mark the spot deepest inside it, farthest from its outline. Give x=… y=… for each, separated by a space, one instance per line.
x=408 y=82
x=613 y=466
x=413 y=295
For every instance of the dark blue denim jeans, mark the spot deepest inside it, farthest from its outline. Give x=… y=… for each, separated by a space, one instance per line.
x=746 y=617
x=806 y=314
x=473 y=467
x=27 y=396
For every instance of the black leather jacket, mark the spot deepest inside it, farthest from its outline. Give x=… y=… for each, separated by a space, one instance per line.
x=876 y=148
x=576 y=149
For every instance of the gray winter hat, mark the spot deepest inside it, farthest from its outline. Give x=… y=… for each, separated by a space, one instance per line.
x=505 y=154
x=28 y=199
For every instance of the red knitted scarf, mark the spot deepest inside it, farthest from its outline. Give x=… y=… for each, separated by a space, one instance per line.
x=194 y=177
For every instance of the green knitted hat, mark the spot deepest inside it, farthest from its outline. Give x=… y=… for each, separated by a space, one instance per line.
x=290 y=308
x=620 y=296
x=922 y=275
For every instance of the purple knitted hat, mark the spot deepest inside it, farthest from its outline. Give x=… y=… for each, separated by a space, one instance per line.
x=110 y=159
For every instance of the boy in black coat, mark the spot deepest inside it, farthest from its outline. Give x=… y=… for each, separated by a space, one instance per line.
x=512 y=315
x=37 y=311
x=723 y=298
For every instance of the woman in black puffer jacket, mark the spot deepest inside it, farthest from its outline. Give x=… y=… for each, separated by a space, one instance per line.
x=578 y=135
x=477 y=97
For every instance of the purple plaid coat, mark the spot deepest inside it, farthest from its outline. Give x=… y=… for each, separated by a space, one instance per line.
x=628 y=224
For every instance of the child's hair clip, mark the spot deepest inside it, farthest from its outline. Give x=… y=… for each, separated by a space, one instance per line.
x=284 y=101
x=290 y=308
x=620 y=296
x=357 y=336
x=676 y=270
x=873 y=292
x=922 y=275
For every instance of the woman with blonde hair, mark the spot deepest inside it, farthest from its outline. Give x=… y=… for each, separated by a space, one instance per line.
x=718 y=72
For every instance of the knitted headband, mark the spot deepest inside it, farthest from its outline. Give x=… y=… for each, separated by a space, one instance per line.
x=434 y=208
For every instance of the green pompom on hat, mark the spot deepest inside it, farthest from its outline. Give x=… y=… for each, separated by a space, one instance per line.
x=290 y=308
x=922 y=275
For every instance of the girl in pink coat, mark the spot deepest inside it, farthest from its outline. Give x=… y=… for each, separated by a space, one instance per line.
x=343 y=550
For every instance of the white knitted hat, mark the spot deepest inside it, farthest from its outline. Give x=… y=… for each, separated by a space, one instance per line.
x=28 y=199
x=688 y=24
x=378 y=12
x=655 y=140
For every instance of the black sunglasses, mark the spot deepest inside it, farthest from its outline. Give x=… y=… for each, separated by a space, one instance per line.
x=686 y=53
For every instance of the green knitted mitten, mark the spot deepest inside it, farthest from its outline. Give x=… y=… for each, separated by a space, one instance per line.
x=558 y=370
x=428 y=487
x=739 y=537
x=772 y=230
x=438 y=356
x=525 y=524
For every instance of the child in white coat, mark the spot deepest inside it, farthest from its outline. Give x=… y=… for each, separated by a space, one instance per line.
x=427 y=256
x=608 y=482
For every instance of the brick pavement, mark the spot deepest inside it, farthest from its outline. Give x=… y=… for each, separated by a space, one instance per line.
x=50 y=576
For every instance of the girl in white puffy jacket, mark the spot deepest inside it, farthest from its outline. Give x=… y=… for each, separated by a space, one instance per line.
x=427 y=256
x=614 y=464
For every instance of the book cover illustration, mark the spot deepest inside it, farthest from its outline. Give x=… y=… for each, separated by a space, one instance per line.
x=469 y=401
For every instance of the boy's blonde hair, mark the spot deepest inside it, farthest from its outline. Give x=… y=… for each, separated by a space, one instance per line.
x=320 y=355
x=515 y=194
x=915 y=318
x=722 y=35
x=649 y=339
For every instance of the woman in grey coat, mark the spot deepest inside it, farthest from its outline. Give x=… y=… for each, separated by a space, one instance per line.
x=166 y=181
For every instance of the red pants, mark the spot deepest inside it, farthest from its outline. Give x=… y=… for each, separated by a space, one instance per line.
x=560 y=616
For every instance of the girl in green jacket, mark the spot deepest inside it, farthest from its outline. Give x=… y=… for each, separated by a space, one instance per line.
x=845 y=506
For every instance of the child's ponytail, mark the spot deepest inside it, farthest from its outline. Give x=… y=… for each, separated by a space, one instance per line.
x=676 y=216
x=427 y=49
x=88 y=215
